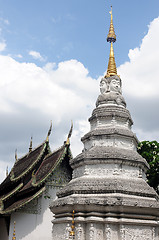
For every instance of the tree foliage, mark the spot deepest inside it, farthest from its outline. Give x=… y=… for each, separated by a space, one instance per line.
x=150 y=151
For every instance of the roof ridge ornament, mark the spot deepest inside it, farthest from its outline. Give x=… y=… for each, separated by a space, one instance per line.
x=69 y=134
x=112 y=70
x=16 y=157
x=7 y=171
x=31 y=144
x=33 y=179
x=49 y=132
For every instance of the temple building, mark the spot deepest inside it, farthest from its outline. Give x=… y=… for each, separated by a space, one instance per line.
x=108 y=195
x=29 y=188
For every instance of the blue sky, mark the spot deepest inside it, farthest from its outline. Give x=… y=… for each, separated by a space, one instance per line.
x=52 y=57
x=70 y=29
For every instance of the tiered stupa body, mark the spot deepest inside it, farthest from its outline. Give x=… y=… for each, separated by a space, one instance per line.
x=109 y=191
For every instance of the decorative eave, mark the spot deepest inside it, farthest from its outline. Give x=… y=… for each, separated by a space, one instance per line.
x=21 y=203
x=13 y=192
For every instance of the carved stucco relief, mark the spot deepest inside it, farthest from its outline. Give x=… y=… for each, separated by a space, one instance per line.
x=67 y=232
x=80 y=232
x=106 y=171
x=91 y=232
x=139 y=233
x=108 y=232
x=122 y=232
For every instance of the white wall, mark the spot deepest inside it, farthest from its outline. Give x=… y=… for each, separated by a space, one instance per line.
x=34 y=226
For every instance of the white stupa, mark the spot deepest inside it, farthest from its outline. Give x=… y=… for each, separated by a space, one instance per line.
x=109 y=191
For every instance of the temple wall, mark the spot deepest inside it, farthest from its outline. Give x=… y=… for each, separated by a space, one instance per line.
x=34 y=222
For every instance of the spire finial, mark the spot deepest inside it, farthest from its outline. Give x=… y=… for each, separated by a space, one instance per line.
x=14 y=237
x=111 y=35
x=31 y=144
x=111 y=38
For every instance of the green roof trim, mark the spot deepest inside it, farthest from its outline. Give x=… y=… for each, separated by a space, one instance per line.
x=38 y=194
x=5 y=197
x=61 y=158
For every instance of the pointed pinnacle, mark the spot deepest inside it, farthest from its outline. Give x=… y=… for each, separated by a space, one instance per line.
x=31 y=143
x=111 y=35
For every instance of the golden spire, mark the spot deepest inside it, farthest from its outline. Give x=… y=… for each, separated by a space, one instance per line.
x=14 y=237
x=31 y=144
x=111 y=64
x=111 y=38
x=72 y=232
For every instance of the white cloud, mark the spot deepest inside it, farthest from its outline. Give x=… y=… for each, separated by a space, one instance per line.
x=5 y=21
x=2 y=46
x=140 y=74
x=36 y=55
x=141 y=84
x=31 y=96
x=19 y=56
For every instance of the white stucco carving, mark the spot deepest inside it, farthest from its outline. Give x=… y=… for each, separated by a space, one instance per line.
x=67 y=232
x=122 y=232
x=110 y=85
x=108 y=171
x=80 y=233
x=103 y=86
x=138 y=233
x=115 y=85
x=107 y=232
x=91 y=232
x=113 y=141
x=110 y=122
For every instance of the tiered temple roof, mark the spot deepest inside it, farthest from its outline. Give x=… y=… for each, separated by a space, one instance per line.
x=28 y=177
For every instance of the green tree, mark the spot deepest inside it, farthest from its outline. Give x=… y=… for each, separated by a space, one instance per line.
x=150 y=151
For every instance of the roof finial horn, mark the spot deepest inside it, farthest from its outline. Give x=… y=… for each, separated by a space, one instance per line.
x=16 y=157
x=31 y=144
x=69 y=134
x=49 y=132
